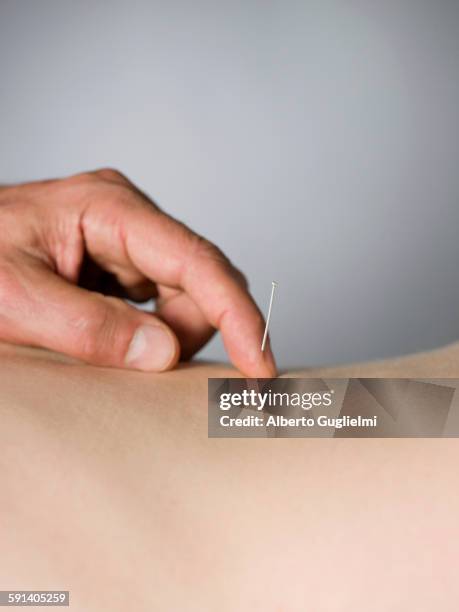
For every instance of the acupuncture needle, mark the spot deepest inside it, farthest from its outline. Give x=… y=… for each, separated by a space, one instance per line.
x=268 y=317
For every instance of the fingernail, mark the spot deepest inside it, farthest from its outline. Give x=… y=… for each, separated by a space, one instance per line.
x=151 y=348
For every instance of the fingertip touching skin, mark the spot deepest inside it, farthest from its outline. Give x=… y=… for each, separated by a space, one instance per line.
x=72 y=250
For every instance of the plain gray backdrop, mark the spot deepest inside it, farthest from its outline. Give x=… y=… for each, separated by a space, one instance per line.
x=317 y=143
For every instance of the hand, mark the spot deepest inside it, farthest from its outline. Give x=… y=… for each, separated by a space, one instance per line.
x=98 y=231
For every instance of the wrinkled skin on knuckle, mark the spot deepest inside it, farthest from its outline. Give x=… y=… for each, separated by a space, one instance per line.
x=103 y=331
x=9 y=228
x=104 y=220
x=17 y=305
x=211 y=255
x=9 y=286
x=203 y=249
x=116 y=198
x=93 y=333
x=86 y=188
x=42 y=223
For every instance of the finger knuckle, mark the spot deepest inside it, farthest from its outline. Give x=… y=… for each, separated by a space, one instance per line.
x=95 y=333
x=111 y=174
x=212 y=257
x=205 y=249
x=95 y=177
x=16 y=304
x=9 y=286
x=241 y=278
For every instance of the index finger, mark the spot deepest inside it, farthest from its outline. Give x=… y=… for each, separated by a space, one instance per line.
x=169 y=253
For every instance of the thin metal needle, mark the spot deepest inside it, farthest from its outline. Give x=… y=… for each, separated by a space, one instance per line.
x=265 y=335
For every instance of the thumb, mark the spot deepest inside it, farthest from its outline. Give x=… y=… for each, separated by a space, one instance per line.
x=45 y=310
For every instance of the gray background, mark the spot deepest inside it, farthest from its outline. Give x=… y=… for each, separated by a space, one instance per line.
x=316 y=142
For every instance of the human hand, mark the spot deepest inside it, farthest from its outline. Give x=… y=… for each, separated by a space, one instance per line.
x=71 y=248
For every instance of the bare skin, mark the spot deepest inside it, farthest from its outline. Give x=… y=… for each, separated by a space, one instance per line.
x=110 y=488
x=439 y=363
x=70 y=249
